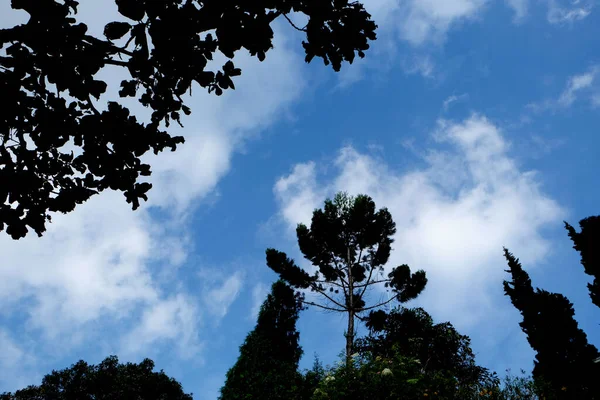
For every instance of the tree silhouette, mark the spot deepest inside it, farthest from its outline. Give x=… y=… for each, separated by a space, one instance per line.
x=441 y=350
x=267 y=367
x=587 y=243
x=564 y=358
x=349 y=243
x=49 y=74
x=107 y=380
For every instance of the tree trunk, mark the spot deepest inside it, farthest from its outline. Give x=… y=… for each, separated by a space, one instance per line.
x=350 y=337
x=350 y=333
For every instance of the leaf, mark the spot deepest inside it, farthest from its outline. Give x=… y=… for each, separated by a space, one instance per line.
x=96 y=88
x=132 y=9
x=116 y=30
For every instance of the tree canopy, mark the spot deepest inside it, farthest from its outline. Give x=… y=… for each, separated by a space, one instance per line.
x=349 y=242
x=440 y=349
x=267 y=367
x=107 y=380
x=49 y=72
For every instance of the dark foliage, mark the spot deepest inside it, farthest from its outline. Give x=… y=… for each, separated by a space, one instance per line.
x=564 y=358
x=48 y=74
x=267 y=367
x=587 y=243
x=107 y=380
x=349 y=242
x=312 y=378
x=439 y=348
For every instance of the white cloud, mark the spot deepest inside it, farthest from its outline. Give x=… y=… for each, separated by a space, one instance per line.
x=296 y=193
x=219 y=298
x=423 y=66
x=520 y=8
x=568 y=14
x=453 y=99
x=419 y=23
x=425 y=21
x=584 y=85
x=577 y=84
x=453 y=217
x=16 y=363
x=173 y=319
x=259 y=294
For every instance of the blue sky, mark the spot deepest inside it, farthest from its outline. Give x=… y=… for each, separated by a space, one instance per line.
x=474 y=121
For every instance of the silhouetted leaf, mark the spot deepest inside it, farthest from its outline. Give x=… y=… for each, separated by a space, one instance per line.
x=116 y=30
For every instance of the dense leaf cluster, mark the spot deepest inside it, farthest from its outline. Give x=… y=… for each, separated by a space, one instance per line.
x=48 y=74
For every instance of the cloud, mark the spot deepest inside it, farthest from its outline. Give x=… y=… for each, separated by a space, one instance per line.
x=296 y=194
x=173 y=319
x=16 y=363
x=577 y=11
x=453 y=216
x=417 y=27
x=422 y=65
x=453 y=99
x=219 y=298
x=582 y=85
x=259 y=294
x=520 y=8
x=577 y=84
x=421 y=22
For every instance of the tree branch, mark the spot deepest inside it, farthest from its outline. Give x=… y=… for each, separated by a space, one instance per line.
x=372 y=283
x=108 y=46
x=94 y=110
x=330 y=283
x=380 y=304
x=110 y=61
x=292 y=24
x=324 y=307
x=329 y=298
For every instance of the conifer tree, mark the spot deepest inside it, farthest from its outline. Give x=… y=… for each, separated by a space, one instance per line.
x=587 y=243
x=564 y=358
x=349 y=242
x=267 y=368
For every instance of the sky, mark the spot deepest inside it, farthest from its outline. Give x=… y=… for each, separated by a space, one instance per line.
x=473 y=121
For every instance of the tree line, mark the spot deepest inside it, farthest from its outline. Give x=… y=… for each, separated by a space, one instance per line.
x=404 y=355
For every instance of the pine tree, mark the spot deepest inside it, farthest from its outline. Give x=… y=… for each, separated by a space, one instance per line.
x=267 y=368
x=349 y=242
x=587 y=243
x=564 y=358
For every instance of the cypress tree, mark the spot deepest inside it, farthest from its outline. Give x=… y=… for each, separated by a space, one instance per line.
x=564 y=359
x=587 y=243
x=267 y=367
